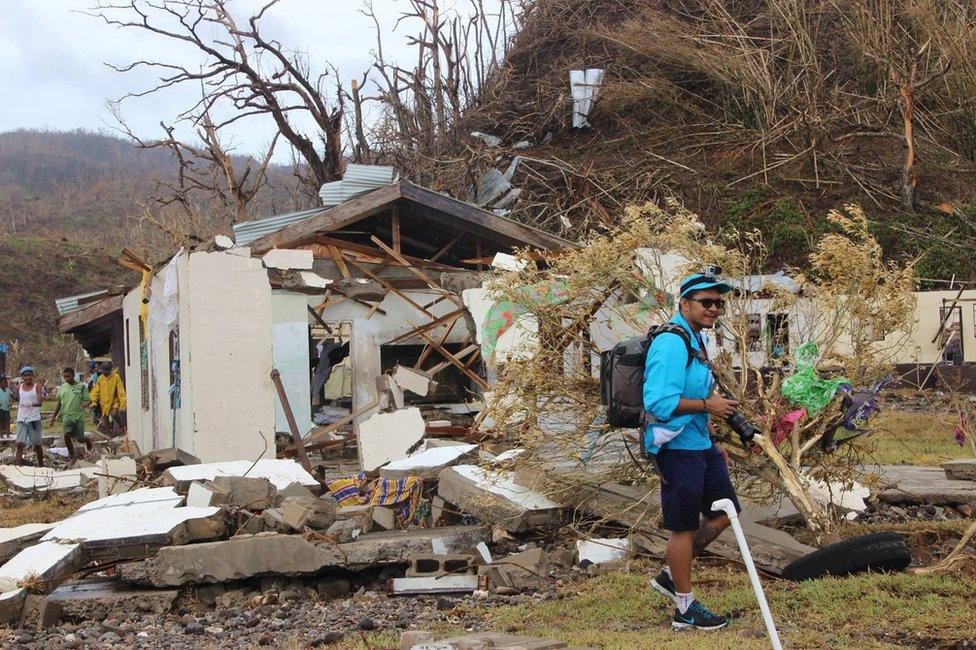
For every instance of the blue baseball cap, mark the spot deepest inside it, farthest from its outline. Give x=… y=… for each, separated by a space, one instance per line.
x=26 y=369
x=700 y=281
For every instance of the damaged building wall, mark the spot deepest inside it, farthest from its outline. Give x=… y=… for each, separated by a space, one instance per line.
x=289 y=333
x=230 y=357
x=222 y=335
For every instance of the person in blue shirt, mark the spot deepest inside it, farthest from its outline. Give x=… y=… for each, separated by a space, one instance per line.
x=680 y=398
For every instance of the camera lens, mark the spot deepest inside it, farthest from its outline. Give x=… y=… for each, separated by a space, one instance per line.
x=745 y=429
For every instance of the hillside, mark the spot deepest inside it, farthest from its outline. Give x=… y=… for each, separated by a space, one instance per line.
x=759 y=115
x=91 y=186
x=33 y=272
x=69 y=201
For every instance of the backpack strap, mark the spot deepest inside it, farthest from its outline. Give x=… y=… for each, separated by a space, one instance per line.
x=674 y=328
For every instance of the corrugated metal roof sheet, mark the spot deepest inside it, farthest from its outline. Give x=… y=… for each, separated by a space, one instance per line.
x=356 y=180
x=248 y=231
x=69 y=304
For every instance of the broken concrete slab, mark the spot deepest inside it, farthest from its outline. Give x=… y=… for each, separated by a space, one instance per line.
x=155 y=497
x=963 y=469
x=170 y=457
x=343 y=530
x=391 y=395
x=603 y=551
x=447 y=584
x=273 y=554
x=495 y=497
x=45 y=479
x=288 y=258
x=428 y=464
x=11 y=605
x=386 y=437
x=250 y=493
x=384 y=518
x=14 y=540
x=281 y=473
x=916 y=484
x=116 y=475
x=415 y=381
x=46 y=563
x=206 y=493
x=94 y=600
x=294 y=490
x=295 y=515
x=519 y=571
x=126 y=531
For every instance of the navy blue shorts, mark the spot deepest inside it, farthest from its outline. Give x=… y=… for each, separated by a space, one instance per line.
x=693 y=481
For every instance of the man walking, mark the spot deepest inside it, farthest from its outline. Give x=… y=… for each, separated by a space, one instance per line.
x=72 y=400
x=109 y=396
x=93 y=376
x=29 y=428
x=5 y=398
x=679 y=398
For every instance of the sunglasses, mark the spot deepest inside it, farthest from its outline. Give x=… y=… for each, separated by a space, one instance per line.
x=708 y=303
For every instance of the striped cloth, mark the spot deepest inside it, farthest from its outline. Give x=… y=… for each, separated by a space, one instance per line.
x=402 y=495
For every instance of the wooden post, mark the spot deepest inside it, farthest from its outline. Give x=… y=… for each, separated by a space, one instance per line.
x=395 y=227
x=295 y=435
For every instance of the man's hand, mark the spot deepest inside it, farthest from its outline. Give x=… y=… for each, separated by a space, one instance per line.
x=719 y=406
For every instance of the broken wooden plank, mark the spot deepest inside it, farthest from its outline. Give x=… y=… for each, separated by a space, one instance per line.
x=455 y=362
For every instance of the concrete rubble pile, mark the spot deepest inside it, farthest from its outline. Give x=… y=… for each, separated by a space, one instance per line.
x=430 y=516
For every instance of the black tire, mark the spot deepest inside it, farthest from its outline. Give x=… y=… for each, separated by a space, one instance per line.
x=875 y=552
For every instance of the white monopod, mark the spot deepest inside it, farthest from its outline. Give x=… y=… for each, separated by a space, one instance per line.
x=726 y=506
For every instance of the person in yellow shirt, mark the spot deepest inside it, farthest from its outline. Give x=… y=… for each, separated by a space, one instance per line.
x=108 y=395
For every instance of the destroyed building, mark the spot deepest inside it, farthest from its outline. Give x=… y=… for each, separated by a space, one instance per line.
x=330 y=298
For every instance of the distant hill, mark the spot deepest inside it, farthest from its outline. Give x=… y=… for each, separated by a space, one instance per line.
x=69 y=201
x=90 y=186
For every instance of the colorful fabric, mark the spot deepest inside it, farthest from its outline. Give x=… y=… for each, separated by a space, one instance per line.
x=403 y=495
x=346 y=491
x=804 y=387
x=501 y=316
x=784 y=426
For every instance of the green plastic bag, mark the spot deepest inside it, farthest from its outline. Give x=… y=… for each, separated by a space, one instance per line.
x=804 y=388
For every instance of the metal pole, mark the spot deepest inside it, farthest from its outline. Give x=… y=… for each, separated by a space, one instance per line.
x=295 y=436
x=726 y=506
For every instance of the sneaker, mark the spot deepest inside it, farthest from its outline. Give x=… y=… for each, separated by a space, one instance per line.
x=699 y=618
x=664 y=585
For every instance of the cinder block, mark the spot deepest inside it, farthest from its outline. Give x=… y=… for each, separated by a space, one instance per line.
x=432 y=566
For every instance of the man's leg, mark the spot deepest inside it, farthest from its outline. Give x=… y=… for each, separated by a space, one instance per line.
x=19 y=454
x=710 y=529
x=39 y=452
x=69 y=445
x=679 y=555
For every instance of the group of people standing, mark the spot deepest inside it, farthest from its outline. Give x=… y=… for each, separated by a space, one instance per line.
x=103 y=394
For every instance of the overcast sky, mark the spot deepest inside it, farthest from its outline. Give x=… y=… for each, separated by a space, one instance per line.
x=53 y=73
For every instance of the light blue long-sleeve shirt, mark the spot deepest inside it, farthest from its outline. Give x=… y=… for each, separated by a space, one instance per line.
x=667 y=378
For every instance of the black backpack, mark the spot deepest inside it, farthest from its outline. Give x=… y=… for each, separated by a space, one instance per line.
x=622 y=376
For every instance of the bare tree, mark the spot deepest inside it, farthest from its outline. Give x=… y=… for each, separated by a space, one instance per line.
x=253 y=75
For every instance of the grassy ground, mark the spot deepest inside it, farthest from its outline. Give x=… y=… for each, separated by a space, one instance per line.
x=14 y=512
x=618 y=610
x=914 y=438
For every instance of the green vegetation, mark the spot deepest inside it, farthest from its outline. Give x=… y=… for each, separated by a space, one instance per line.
x=914 y=438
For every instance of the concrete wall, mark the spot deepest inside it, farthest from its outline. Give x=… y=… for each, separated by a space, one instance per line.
x=290 y=353
x=228 y=341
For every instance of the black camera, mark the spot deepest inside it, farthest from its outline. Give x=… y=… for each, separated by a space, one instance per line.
x=743 y=427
